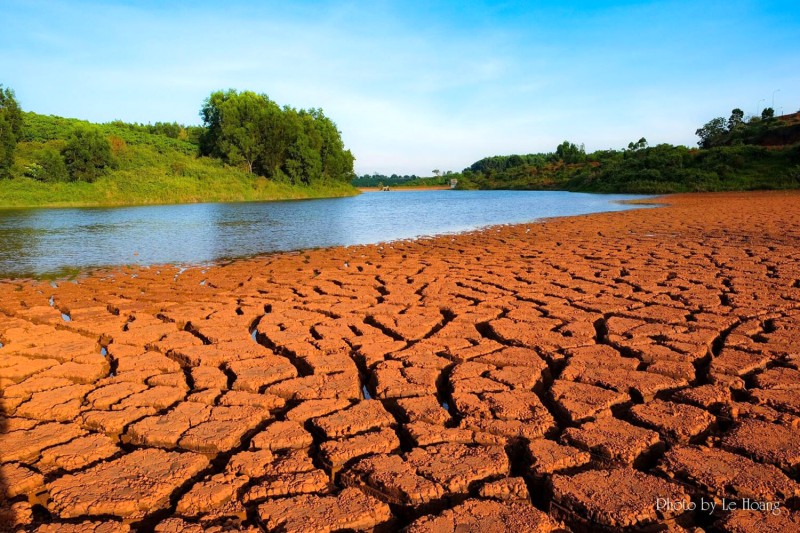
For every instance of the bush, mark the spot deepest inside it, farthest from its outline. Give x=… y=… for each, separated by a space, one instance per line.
x=87 y=154
x=11 y=129
x=49 y=167
x=7 y=145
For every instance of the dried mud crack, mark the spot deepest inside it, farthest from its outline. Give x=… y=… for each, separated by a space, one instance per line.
x=546 y=377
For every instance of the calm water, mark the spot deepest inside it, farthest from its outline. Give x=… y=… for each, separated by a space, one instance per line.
x=51 y=241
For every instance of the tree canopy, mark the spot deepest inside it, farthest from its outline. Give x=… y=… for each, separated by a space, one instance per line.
x=10 y=129
x=570 y=153
x=87 y=154
x=249 y=129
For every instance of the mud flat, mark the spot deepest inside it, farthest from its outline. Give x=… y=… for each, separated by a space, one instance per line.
x=570 y=374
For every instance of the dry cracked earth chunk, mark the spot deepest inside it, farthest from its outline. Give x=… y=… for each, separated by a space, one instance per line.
x=148 y=476
x=351 y=509
x=477 y=515
x=617 y=498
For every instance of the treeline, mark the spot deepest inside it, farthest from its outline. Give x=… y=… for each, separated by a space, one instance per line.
x=406 y=180
x=379 y=180
x=734 y=154
x=241 y=130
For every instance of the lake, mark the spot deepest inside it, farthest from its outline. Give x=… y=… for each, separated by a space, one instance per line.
x=42 y=242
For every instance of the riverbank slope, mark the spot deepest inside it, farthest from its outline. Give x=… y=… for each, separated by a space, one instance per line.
x=656 y=346
x=146 y=166
x=132 y=188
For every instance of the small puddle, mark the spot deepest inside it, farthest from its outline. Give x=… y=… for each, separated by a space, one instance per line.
x=367 y=395
x=254 y=334
x=52 y=302
x=65 y=317
x=54 y=284
x=203 y=283
x=103 y=351
x=445 y=407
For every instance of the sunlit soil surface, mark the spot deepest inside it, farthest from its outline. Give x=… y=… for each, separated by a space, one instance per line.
x=600 y=372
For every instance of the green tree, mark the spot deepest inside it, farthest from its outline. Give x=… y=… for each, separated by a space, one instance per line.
x=251 y=130
x=243 y=128
x=10 y=129
x=641 y=144
x=736 y=119
x=9 y=108
x=87 y=154
x=337 y=163
x=570 y=153
x=52 y=165
x=767 y=113
x=8 y=143
x=712 y=133
x=303 y=164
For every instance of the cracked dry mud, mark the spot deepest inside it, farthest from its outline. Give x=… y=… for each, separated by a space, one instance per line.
x=543 y=377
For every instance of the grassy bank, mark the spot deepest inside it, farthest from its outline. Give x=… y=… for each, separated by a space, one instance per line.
x=136 y=188
x=148 y=168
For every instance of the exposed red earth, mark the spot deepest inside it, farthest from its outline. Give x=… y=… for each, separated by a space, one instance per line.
x=606 y=372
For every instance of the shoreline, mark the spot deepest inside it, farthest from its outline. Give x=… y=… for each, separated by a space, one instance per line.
x=600 y=345
x=407 y=189
x=262 y=191
x=72 y=273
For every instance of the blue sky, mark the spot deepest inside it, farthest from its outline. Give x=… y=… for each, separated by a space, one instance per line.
x=415 y=86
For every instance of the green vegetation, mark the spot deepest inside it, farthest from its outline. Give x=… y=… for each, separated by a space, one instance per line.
x=10 y=129
x=249 y=148
x=735 y=154
x=137 y=188
x=394 y=181
x=87 y=154
x=55 y=161
x=302 y=147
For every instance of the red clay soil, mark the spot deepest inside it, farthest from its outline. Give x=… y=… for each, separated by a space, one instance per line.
x=605 y=372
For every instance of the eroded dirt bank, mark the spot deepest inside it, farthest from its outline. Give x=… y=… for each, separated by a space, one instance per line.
x=527 y=378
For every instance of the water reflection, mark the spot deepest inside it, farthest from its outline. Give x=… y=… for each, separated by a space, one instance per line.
x=46 y=241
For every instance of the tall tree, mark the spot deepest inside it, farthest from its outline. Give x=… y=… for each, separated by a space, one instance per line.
x=8 y=143
x=10 y=129
x=239 y=128
x=337 y=163
x=736 y=119
x=570 y=153
x=712 y=133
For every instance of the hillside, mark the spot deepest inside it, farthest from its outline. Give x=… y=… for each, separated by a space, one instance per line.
x=149 y=165
x=786 y=131
x=734 y=155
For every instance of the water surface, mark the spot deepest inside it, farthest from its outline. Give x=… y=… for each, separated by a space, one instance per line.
x=40 y=242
